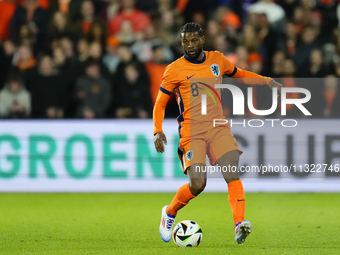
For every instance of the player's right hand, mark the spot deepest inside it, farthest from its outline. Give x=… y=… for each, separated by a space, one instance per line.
x=274 y=84
x=159 y=139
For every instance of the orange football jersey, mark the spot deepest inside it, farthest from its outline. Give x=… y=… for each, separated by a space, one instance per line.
x=190 y=80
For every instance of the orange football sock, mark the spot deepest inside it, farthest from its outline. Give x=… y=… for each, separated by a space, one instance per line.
x=181 y=199
x=237 y=200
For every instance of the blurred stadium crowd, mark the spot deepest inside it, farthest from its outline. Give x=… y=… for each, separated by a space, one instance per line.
x=105 y=58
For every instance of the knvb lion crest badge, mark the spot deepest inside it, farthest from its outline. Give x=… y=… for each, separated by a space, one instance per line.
x=190 y=155
x=215 y=69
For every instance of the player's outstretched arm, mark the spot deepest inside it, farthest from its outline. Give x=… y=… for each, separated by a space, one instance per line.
x=159 y=139
x=247 y=77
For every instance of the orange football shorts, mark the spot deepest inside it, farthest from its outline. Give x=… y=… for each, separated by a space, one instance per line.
x=215 y=143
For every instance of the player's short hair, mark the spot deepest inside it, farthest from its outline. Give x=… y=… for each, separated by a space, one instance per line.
x=191 y=27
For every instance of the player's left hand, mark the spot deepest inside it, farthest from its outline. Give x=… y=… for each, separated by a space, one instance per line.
x=274 y=84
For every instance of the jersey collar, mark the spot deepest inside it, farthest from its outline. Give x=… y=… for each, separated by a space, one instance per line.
x=195 y=61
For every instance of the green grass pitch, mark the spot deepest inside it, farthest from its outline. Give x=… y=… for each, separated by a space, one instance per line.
x=120 y=223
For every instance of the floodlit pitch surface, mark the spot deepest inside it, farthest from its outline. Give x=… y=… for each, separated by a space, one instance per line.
x=128 y=224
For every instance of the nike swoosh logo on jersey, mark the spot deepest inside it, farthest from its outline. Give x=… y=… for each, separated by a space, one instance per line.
x=190 y=76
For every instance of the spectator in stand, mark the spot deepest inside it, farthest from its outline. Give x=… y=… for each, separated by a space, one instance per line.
x=288 y=6
x=83 y=26
x=31 y=14
x=220 y=14
x=156 y=68
x=312 y=74
x=291 y=38
x=249 y=38
x=6 y=57
x=47 y=91
x=329 y=11
x=127 y=57
x=231 y=25
x=332 y=97
x=70 y=8
x=299 y=19
x=83 y=48
x=231 y=21
x=97 y=33
x=277 y=68
x=143 y=48
x=15 y=100
x=68 y=47
x=59 y=27
x=7 y=9
x=66 y=72
x=87 y=16
x=307 y=6
x=126 y=34
x=111 y=59
x=26 y=59
x=255 y=63
x=109 y=10
x=167 y=19
x=221 y=44
x=59 y=58
x=26 y=37
x=199 y=18
x=268 y=38
x=242 y=55
x=138 y=19
x=274 y=13
x=93 y=92
x=308 y=44
x=212 y=31
x=316 y=68
x=96 y=52
x=288 y=68
x=61 y=62
x=134 y=95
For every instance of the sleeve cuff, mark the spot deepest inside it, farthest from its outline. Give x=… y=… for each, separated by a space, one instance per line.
x=157 y=131
x=165 y=91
